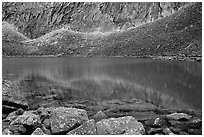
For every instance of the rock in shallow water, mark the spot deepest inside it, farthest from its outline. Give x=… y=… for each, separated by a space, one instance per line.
x=178 y=116
x=121 y=125
x=87 y=128
x=65 y=119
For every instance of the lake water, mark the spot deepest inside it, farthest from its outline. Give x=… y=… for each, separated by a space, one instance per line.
x=174 y=84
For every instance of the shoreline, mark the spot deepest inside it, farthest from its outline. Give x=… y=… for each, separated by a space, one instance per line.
x=175 y=58
x=90 y=118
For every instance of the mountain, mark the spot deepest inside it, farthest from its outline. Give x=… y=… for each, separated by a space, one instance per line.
x=179 y=34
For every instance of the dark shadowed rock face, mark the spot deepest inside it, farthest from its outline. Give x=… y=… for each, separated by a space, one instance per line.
x=122 y=125
x=65 y=119
x=87 y=128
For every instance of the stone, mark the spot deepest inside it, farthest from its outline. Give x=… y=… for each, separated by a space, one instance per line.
x=153 y=131
x=88 y=128
x=6 y=132
x=121 y=125
x=183 y=133
x=65 y=119
x=28 y=119
x=178 y=116
x=12 y=116
x=178 y=124
x=168 y=131
x=43 y=113
x=175 y=130
x=195 y=123
x=195 y=131
x=38 y=131
x=17 y=129
x=159 y=122
x=149 y=122
x=12 y=96
x=99 y=116
x=47 y=123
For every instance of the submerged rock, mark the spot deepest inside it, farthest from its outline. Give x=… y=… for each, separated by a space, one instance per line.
x=87 y=128
x=121 y=125
x=65 y=119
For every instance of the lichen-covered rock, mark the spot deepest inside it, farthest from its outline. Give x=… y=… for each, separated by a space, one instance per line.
x=178 y=116
x=65 y=119
x=99 y=116
x=38 y=131
x=87 y=128
x=28 y=119
x=121 y=125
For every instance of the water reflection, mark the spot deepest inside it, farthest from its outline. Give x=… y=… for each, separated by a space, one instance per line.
x=171 y=84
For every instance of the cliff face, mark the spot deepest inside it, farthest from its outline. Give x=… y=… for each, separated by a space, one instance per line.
x=35 y=19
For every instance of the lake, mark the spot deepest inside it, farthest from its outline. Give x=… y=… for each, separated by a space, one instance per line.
x=168 y=84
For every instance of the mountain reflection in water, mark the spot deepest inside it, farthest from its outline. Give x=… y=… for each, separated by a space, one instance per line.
x=167 y=84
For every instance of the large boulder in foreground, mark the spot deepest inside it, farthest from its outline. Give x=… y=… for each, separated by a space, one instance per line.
x=12 y=98
x=123 y=125
x=65 y=119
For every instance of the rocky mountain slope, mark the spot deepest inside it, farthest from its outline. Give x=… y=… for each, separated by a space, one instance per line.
x=178 y=35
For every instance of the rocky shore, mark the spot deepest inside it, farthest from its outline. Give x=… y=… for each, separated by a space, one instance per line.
x=83 y=117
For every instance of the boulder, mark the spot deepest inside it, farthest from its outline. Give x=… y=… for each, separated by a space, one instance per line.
x=28 y=120
x=99 y=116
x=12 y=96
x=12 y=116
x=178 y=116
x=38 y=131
x=159 y=122
x=88 y=128
x=121 y=125
x=65 y=119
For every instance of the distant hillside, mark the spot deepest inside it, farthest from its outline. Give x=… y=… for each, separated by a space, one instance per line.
x=11 y=40
x=179 y=34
